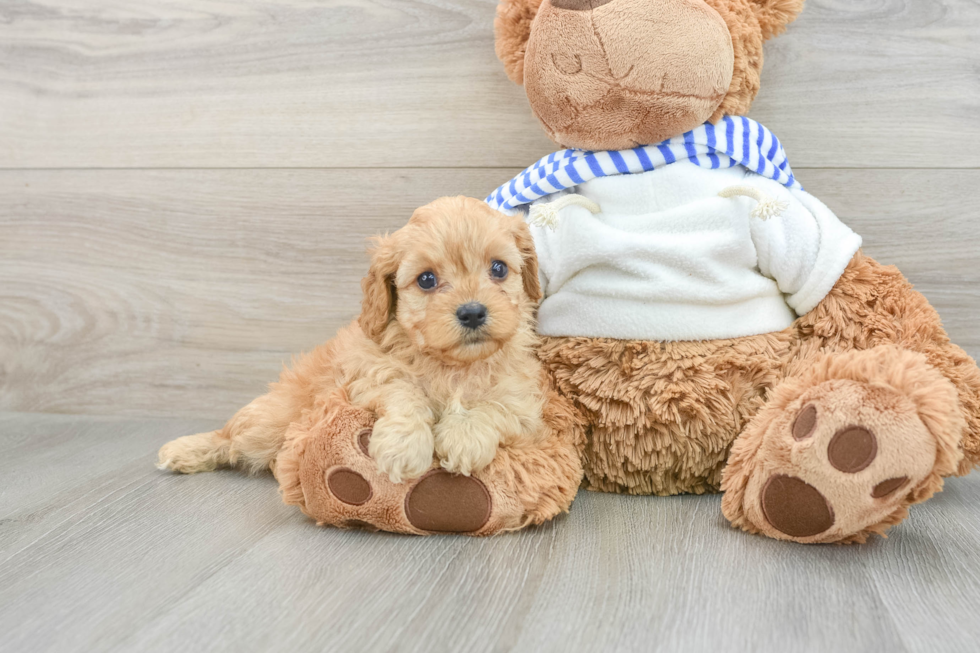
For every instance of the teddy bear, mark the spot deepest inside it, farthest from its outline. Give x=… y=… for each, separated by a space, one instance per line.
x=715 y=326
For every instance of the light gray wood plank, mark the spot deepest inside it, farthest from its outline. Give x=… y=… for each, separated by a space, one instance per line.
x=112 y=555
x=91 y=545
x=48 y=457
x=139 y=280
x=870 y=83
x=255 y=83
x=673 y=577
x=182 y=293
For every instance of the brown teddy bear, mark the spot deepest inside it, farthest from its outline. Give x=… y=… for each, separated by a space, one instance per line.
x=717 y=327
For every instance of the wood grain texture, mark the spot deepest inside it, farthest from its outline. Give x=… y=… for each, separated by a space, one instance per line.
x=182 y=293
x=185 y=192
x=375 y=83
x=101 y=552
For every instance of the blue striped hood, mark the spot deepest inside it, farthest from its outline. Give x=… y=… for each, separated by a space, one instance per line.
x=733 y=141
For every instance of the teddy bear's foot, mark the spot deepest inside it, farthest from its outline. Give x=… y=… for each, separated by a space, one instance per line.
x=844 y=451
x=326 y=470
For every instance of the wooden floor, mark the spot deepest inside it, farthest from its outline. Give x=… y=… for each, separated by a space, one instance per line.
x=185 y=191
x=102 y=552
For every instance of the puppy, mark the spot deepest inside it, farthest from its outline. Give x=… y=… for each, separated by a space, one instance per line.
x=443 y=353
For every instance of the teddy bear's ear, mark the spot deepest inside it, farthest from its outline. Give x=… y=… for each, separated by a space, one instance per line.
x=513 y=28
x=775 y=15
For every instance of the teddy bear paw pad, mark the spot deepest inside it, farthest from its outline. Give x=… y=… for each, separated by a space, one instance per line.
x=838 y=465
x=885 y=488
x=363 y=440
x=852 y=449
x=795 y=507
x=442 y=502
x=349 y=486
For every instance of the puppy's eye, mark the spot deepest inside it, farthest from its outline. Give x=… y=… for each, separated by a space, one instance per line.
x=498 y=270
x=427 y=280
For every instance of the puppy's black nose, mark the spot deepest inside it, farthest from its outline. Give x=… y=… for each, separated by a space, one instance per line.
x=472 y=315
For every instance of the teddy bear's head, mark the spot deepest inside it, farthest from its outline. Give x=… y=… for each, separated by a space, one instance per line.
x=614 y=74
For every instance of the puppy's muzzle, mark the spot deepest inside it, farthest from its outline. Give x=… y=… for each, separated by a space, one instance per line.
x=472 y=315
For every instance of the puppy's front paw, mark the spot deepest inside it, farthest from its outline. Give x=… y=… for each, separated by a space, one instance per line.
x=465 y=444
x=402 y=450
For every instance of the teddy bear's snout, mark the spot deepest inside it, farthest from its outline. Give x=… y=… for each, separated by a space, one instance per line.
x=611 y=74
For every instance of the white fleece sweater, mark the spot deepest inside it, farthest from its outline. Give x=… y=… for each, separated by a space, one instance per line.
x=667 y=259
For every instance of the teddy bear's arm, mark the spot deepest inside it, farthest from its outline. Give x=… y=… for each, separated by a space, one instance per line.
x=804 y=247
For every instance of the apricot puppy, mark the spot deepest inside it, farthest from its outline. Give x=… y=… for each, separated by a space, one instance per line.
x=443 y=354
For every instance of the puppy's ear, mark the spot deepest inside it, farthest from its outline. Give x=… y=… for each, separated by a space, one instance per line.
x=380 y=298
x=512 y=29
x=775 y=15
x=529 y=259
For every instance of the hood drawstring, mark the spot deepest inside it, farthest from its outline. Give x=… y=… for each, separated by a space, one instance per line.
x=545 y=214
x=768 y=207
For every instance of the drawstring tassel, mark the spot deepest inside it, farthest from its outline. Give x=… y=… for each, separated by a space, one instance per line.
x=767 y=207
x=546 y=214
